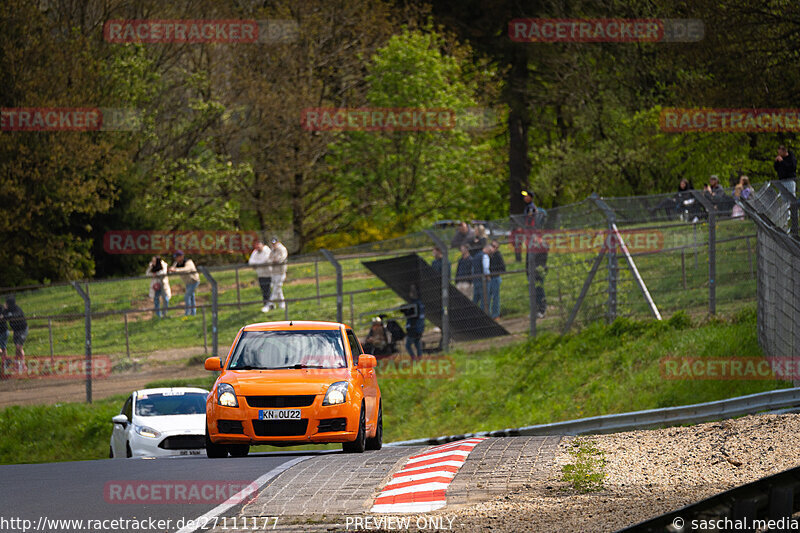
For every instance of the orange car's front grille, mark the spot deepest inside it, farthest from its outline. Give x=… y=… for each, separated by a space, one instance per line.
x=280 y=428
x=280 y=401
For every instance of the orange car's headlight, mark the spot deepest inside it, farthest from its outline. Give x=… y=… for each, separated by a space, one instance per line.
x=337 y=393
x=226 y=396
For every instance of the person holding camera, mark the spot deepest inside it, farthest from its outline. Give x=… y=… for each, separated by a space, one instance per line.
x=159 y=285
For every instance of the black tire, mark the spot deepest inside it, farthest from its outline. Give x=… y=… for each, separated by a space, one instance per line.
x=238 y=450
x=110 y=452
x=128 y=452
x=358 y=445
x=215 y=451
x=376 y=442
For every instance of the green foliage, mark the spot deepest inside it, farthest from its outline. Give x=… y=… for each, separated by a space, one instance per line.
x=587 y=472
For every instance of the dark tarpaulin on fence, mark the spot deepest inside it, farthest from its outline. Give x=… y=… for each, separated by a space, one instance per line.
x=467 y=320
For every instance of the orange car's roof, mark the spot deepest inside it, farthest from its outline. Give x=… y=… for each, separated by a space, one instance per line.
x=292 y=325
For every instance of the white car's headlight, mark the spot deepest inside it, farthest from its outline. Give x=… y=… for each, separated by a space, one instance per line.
x=337 y=393
x=146 y=431
x=226 y=396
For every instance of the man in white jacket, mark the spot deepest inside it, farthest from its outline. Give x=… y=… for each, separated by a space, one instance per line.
x=260 y=259
x=278 y=259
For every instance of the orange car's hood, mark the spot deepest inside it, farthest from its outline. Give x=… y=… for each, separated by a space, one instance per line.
x=288 y=381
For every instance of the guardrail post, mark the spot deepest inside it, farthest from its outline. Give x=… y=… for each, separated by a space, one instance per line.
x=339 y=283
x=214 y=310
x=445 y=288
x=87 y=306
x=712 y=250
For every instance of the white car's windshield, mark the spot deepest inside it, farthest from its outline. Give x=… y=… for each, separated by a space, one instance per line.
x=171 y=403
x=269 y=350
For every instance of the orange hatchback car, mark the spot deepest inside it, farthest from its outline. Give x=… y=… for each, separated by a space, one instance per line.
x=291 y=383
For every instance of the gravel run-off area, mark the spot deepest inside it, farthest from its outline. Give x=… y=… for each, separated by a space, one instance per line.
x=649 y=472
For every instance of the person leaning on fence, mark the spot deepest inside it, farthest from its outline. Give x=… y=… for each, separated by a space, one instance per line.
x=191 y=278
x=159 y=285
x=259 y=259
x=278 y=259
x=479 y=278
x=464 y=272
x=747 y=190
x=737 y=211
x=415 y=324
x=497 y=266
x=478 y=242
x=19 y=326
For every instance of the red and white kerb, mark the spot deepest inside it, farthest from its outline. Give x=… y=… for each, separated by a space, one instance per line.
x=421 y=484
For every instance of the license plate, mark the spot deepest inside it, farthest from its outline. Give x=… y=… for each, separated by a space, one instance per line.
x=279 y=414
x=190 y=452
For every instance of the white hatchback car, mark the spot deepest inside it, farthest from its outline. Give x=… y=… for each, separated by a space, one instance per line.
x=160 y=422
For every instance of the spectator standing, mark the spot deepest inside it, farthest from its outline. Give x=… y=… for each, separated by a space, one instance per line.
x=480 y=273
x=159 y=285
x=716 y=195
x=479 y=241
x=464 y=235
x=537 y=252
x=747 y=190
x=259 y=259
x=278 y=258
x=191 y=278
x=497 y=266
x=436 y=264
x=464 y=272
x=18 y=324
x=415 y=324
x=737 y=211
x=786 y=167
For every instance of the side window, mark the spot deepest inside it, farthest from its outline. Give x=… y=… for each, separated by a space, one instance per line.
x=127 y=409
x=355 y=347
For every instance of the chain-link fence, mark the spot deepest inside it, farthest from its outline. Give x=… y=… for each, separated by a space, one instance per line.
x=774 y=210
x=598 y=259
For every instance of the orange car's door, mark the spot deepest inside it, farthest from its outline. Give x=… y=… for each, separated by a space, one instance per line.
x=369 y=380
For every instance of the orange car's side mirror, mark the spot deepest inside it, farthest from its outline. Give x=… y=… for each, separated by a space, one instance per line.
x=213 y=363
x=367 y=361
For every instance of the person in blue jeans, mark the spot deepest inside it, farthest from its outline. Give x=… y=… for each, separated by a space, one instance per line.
x=415 y=323
x=159 y=285
x=191 y=278
x=497 y=266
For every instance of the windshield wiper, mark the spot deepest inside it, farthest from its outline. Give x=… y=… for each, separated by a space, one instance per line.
x=298 y=366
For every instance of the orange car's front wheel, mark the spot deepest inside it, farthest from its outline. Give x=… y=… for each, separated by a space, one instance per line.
x=358 y=445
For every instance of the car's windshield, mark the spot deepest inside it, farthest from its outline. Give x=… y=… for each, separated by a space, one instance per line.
x=268 y=350
x=171 y=403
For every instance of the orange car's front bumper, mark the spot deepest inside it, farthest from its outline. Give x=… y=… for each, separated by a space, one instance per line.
x=241 y=425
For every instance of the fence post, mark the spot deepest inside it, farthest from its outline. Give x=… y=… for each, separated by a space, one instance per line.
x=750 y=258
x=238 y=295
x=792 y=200
x=445 y=288
x=712 y=250
x=683 y=268
x=87 y=306
x=127 y=342
x=613 y=268
x=329 y=256
x=214 y=310
x=50 y=334
x=205 y=330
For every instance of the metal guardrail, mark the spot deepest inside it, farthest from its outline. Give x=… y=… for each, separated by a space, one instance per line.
x=667 y=416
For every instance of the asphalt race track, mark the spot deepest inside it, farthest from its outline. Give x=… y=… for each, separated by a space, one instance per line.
x=82 y=490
